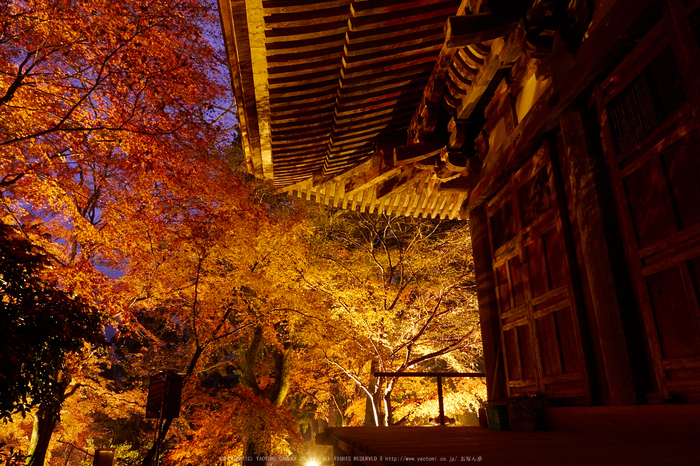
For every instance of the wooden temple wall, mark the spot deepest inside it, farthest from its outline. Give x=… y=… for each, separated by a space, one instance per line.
x=587 y=248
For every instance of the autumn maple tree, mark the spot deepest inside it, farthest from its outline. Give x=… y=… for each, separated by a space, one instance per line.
x=105 y=121
x=401 y=297
x=41 y=327
x=103 y=112
x=218 y=278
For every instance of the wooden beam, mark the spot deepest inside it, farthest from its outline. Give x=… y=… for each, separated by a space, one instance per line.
x=463 y=184
x=445 y=174
x=479 y=86
x=256 y=37
x=234 y=25
x=423 y=189
x=411 y=153
x=427 y=206
x=488 y=307
x=371 y=178
x=432 y=92
x=401 y=183
x=403 y=17
x=461 y=31
x=339 y=27
x=429 y=374
x=367 y=200
x=354 y=171
x=501 y=52
x=456 y=209
x=594 y=246
x=455 y=161
x=393 y=203
x=298 y=186
x=450 y=199
x=304 y=7
x=374 y=8
x=458 y=132
x=275 y=49
x=390 y=48
x=313 y=21
x=466 y=6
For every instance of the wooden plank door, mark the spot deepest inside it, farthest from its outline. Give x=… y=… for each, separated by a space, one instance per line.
x=539 y=332
x=652 y=147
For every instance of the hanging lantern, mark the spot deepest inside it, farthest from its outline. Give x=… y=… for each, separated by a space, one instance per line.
x=103 y=457
x=164 y=394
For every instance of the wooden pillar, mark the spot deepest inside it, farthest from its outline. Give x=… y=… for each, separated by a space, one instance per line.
x=440 y=402
x=605 y=286
x=331 y=414
x=488 y=307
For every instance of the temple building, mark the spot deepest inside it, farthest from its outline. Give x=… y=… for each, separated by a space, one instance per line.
x=565 y=132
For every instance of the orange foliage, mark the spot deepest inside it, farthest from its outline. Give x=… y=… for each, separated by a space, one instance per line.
x=108 y=139
x=233 y=416
x=102 y=109
x=401 y=297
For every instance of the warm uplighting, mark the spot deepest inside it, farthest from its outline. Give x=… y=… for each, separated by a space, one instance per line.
x=312 y=463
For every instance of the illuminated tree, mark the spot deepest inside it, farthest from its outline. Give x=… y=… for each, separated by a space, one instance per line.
x=402 y=296
x=103 y=109
x=41 y=326
x=107 y=119
x=218 y=278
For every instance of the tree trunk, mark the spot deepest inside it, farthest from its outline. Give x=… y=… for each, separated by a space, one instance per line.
x=44 y=425
x=371 y=406
x=331 y=414
x=251 y=358
x=251 y=455
x=388 y=410
x=283 y=377
x=373 y=409
x=45 y=421
x=254 y=454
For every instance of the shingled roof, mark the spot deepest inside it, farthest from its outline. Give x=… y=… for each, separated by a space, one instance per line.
x=363 y=104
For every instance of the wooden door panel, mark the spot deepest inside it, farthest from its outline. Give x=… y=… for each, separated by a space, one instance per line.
x=656 y=179
x=540 y=341
x=512 y=350
x=503 y=288
x=682 y=166
x=539 y=279
x=502 y=225
x=565 y=389
x=549 y=345
x=567 y=338
x=662 y=194
x=526 y=353
x=516 y=278
x=558 y=339
x=535 y=197
x=694 y=272
x=556 y=259
x=673 y=314
x=521 y=369
x=648 y=211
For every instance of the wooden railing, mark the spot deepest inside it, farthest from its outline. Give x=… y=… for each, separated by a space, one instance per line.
x=439 y=376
